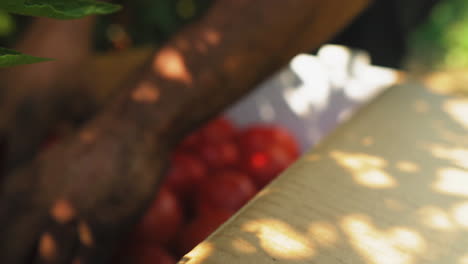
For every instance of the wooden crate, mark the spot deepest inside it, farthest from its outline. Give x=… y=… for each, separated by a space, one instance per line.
x=389 y=186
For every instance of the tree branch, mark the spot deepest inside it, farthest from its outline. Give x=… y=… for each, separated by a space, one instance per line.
x=105 y=175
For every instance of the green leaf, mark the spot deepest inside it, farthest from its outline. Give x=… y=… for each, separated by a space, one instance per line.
x=59 y=9
x=10 y=58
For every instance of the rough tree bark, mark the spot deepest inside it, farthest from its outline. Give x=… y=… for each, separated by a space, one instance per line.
x=37 y=96
x=74 y=202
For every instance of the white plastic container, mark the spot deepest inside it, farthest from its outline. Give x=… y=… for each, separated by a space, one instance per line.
x=314 y=94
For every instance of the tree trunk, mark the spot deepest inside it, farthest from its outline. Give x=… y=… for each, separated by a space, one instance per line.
x=80 y=197
x=35 y=97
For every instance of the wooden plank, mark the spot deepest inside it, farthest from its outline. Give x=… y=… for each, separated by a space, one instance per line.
x=389 y=186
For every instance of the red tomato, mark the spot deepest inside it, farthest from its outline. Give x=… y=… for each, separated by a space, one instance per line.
x=262 y=137
x=220 y=154
x=228 y=190
x=200 y=229
x=147 y=253
x=185 y=173
x=264 y=166
x=162 y=221
x=219 y=129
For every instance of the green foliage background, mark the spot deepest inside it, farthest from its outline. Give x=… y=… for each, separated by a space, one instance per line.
x=442 y=42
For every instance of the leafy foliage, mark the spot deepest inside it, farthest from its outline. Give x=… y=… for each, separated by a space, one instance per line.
x=10 y=58
x=443 y=41
x=59 y=9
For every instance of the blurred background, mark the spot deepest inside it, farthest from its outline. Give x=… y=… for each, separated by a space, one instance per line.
x=420 y=35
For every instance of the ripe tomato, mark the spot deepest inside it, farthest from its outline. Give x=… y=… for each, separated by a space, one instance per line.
x=262 y=137
x=162 y=221
x=263 y=166
x=200 y=229
x=220 y=154
x=219 y=129
x=146 y=253
x=185 y=173
x=227 y=190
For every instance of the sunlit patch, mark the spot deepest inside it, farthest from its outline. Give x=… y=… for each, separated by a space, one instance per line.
x=212 y=37
x=435 y=218
x=146 y=92
x=421 y=106
x=460 y=214
x=63 y=211
x=85 y=235
x=243 y=246
x=406 y=238
x=407 y=166
x=396 y=246
x=452 y=181
x=367 y=141
x=458 y=110
x=376 y=179
x=87 y=136
x=200 y=253
x=459 y=156
x=280 y=240
x=170 y=64
x=440 y=82
x=323 y=233
x=48 y=247
x=366 y=170
x=463 y=259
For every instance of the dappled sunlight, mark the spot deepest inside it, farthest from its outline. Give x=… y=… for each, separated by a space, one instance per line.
x=243 y=246
x=435 y=218
x=146 y=92
x=199 y=254
x=367 y=170
x=398 y=245
x=171 y=65
x=459 y=156
x=324 y=234
x=446 y=83
x=451 y=181
x=407 y=166
x=457 y=109
x=280 y=240
x=463 y=259
x=212 y=37
x=460 y=214
x=386 y=188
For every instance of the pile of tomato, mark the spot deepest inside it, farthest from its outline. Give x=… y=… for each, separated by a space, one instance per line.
x=213 y=173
